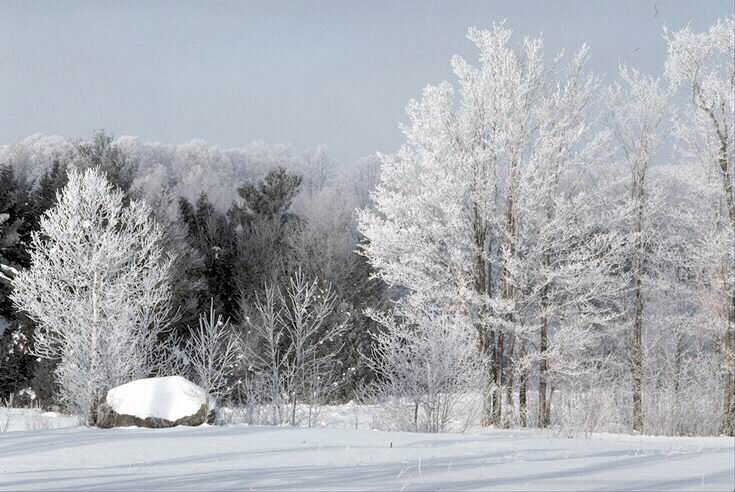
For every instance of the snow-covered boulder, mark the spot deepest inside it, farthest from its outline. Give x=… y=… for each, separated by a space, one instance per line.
x=154 y=402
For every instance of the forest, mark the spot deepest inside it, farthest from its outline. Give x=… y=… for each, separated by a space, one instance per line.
x=549 y=247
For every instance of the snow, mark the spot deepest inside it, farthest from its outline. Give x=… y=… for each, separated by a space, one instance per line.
x=169 y=398
x=30 y=419
x=7 y=269
x=241 y=457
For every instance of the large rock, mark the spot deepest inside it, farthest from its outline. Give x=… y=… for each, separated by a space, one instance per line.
x=155 y=402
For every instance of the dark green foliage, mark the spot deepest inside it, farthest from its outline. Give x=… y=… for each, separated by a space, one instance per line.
x=363 y=292
x=266 y=231
x=188 y=287
x=212 y=235
x=16 y=363
x=16 y=212
x=271 y=197
x=43 y=382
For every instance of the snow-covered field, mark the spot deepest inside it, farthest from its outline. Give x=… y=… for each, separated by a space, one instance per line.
x=242 y=457
x=32 y=419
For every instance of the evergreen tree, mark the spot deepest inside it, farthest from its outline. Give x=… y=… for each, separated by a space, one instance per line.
x=212 y=235
x=267 y=230
x=17 y=365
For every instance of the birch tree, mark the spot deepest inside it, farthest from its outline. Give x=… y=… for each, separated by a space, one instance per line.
x=98 y=289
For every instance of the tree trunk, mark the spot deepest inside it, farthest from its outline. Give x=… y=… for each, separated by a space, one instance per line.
x=547 y=408
x=522 y=398
x=506 y=291
x=542 y=369
x=728 y=343
x=677 y=381
x=510 y=410
x=487 y=335
x=636 y=356
x=497 y=393
x=489 y=353
x=728 y=339
x=93 y=365
x=728 y=407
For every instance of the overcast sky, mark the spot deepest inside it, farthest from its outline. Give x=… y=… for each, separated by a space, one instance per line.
x=303 y=73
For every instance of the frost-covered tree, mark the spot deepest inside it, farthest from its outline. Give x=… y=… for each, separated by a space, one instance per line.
x=449 y=208
x=703 y=64
x=102 y=152
x=636 y=108
x=212 y=351
x=295 y=337
x=33 y=155
x=314 y=333
x=426 y=364
x=318 y=169
x=266 y=380
x=98 y=290
x=267 y=229
x=681 y=384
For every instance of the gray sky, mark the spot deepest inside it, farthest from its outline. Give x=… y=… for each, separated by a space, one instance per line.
x=303 y=73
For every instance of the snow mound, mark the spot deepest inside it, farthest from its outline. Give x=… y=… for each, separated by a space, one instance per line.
x=170 y=398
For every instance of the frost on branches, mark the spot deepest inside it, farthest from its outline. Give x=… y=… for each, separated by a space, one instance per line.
x=295 y=336
x=98 y=288
x=703 y=65
x=428 y=365
x=212 y=351
x=636 y=108
x=484 y=208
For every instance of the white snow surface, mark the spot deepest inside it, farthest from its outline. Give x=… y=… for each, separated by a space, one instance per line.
x=170 y=398
x=284 y=458
x=33 y=419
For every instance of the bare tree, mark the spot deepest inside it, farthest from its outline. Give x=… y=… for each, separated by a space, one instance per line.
x=296 y=336
x=266 y=354
x=427 y=363
x=212 y=351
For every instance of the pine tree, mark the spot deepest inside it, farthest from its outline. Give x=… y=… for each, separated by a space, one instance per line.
x=267 y=229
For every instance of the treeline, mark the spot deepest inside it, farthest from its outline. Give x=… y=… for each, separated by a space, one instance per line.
x=234 y=222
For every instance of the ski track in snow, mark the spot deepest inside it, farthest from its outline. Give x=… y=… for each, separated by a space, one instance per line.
x=278 y=458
